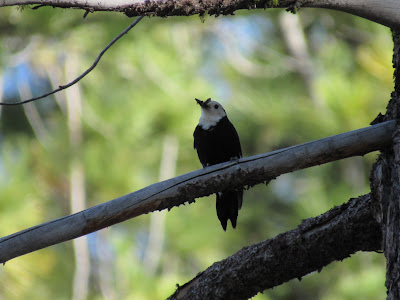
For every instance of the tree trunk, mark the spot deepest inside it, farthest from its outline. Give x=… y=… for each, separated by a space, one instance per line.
x=385 y=186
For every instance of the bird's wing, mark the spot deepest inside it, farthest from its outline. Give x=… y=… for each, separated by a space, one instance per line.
x=200 y=144
x=231 y=139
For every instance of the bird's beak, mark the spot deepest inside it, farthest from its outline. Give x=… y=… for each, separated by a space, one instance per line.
x=199 y=102
x=203 y=104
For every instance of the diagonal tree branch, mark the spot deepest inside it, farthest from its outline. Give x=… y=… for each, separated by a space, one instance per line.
x=63 y=87
x=176 y=191
x=386 y=12
x=315 y=243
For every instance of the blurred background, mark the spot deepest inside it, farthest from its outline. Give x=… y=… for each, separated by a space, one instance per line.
x=284 y=79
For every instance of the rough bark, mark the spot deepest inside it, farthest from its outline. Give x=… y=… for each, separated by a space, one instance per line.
x=385 y=187
x=315 y=243
x=176 y=191
x=386 y=12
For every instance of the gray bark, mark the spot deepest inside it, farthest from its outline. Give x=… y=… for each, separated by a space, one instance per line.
x=386 y=12
x=176 y=191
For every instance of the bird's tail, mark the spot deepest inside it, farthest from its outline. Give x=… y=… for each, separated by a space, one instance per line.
x=228 y=205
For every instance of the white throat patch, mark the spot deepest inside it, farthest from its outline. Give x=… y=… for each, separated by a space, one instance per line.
x=211 y=115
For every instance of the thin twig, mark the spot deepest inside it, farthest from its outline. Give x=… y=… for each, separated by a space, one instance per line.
x=86 y=13
x=62 y=87
x=38 y=6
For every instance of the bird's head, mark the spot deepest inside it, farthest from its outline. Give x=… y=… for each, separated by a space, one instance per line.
x=211 y=113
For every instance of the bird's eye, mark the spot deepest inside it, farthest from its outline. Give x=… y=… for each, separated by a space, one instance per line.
x=216 y=106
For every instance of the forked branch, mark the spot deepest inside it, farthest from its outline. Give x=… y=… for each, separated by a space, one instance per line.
x=315 y=243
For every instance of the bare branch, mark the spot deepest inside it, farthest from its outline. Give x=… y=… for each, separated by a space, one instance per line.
x=176 y=191
x=315 y=243
x=62 y=87
x=385 y=12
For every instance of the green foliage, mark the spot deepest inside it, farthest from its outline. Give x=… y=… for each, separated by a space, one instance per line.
x=275 y=2
x=143 y=91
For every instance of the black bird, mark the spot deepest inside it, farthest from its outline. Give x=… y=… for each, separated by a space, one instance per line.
x=216 y=141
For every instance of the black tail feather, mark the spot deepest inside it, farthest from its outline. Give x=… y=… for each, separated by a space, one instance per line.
x=228 y=205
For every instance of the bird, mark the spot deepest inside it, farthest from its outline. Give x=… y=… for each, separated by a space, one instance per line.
x=216 y=141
